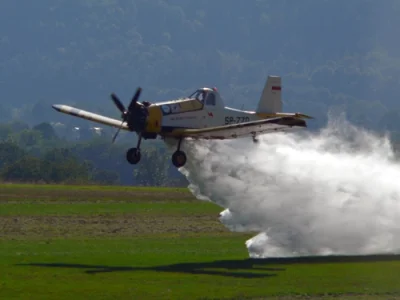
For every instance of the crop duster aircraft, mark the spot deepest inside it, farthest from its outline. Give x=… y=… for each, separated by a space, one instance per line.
x=202 y=115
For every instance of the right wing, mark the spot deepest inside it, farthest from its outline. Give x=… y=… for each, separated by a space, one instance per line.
x=90 y=116
x=241 y=129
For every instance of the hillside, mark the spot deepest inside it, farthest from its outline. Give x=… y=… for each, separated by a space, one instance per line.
x=333 y=56
x=329 y=53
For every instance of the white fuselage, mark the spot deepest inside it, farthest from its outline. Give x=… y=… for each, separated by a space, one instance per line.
x=209 y=117
x=208 y=112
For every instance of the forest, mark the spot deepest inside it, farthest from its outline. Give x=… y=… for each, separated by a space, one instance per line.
x=38 y=155
x=332 y=55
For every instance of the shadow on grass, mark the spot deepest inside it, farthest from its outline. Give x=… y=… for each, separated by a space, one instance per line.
x=247 y=268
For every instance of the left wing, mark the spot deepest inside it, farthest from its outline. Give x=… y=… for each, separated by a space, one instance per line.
x=80 y=113
x=241 y=129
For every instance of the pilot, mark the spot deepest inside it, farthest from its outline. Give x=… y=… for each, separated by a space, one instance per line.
x=201 y=96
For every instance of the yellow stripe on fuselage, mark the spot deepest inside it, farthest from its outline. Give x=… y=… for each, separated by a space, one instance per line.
x=190 y=105
x=154 y=119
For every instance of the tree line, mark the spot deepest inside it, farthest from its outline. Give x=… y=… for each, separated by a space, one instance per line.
x=38 y=155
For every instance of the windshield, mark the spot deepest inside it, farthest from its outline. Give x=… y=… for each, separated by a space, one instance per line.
x=199 y=95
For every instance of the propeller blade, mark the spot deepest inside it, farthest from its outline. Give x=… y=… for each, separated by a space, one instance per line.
x=118 y=102
x=135 y=99
x=116 y=134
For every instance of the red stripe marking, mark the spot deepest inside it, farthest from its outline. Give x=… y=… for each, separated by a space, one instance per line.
x=276 y=88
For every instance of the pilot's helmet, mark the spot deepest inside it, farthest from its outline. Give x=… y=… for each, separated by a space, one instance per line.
x=201 y=96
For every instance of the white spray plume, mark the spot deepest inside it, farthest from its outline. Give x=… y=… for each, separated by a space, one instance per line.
x=336 y=191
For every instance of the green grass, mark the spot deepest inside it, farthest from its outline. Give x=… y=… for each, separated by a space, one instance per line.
x=164 y=249
x=82 y=188
x=109 y=208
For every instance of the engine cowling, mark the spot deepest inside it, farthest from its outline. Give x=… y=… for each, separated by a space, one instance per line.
x=137 y=119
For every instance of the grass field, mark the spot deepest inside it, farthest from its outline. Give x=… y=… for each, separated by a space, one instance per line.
x=66 y=242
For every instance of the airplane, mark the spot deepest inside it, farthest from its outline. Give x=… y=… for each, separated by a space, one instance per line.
x=201 y=115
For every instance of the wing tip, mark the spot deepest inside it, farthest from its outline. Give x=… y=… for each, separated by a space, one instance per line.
x=57 y=107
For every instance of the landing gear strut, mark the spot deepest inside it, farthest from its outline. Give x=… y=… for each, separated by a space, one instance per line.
x=133 y=154
x=179 y=157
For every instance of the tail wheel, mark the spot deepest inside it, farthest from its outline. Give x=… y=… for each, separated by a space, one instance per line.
x=133 y=156
x=179 y=158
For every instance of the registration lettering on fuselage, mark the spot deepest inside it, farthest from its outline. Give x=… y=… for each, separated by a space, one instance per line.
x=235 y=120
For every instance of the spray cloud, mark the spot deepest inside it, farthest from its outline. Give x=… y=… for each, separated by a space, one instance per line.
x=336 y=191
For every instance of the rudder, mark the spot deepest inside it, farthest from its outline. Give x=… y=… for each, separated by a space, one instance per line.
x=270 y=101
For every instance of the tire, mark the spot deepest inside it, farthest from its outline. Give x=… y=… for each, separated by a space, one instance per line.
x=133 y=156
x=179 y=159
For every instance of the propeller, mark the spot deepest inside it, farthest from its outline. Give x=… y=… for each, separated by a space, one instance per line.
x=121 y=107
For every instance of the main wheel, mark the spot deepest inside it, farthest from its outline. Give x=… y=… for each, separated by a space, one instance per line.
x=133 y=156
x=179 y=158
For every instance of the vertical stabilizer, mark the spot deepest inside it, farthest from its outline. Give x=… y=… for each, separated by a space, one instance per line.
x=270 y=101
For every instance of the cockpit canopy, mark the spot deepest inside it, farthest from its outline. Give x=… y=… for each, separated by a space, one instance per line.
x=205 y=95
x=198 y=95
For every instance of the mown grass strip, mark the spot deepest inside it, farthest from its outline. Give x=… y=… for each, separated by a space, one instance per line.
x=108 y=208
x=62 y=187
x=92 y=199
x=10 y=193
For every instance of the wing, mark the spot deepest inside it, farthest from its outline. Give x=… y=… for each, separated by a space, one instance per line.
x=242 y=129
x=90 y=116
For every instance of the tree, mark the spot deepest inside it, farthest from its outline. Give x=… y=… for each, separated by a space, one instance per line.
x=46 y=130
x=10 y=153
x=25 y=169
x=5 y=131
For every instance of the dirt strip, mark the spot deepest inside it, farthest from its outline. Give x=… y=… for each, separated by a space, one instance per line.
x=106 y=225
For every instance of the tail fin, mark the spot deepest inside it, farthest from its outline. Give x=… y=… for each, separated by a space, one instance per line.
x=270 y=101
